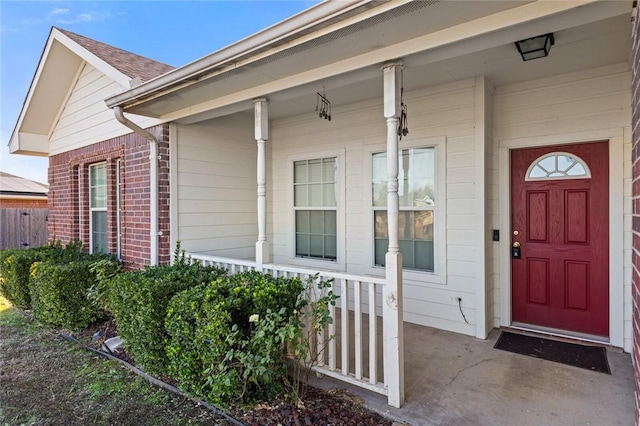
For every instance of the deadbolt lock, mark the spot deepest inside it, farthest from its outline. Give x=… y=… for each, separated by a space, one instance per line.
x=515 y=251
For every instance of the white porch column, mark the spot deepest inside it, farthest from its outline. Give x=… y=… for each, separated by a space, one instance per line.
x=261 y=136
x=393 y=339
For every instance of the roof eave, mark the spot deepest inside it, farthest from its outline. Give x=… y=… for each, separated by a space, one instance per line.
x=29 y=144
x=303 y=23
x=14 y=143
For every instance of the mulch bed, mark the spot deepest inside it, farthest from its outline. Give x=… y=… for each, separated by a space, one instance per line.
x=319 y=407
x=336 y=407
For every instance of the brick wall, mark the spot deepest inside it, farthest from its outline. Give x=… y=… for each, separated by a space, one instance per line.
x=635 y=99
x=16 y=203
x=69 y=216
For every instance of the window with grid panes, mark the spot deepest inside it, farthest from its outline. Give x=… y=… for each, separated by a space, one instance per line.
x=416 y=193
x=98 y=207
x=315 y=206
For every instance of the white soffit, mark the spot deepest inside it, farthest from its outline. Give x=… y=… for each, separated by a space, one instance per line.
x=49 y=89
x=55 y=75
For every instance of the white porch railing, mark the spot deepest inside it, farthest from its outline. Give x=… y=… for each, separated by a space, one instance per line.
x=351 y=349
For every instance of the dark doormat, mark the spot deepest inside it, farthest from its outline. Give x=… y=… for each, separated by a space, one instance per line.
x=588 y=357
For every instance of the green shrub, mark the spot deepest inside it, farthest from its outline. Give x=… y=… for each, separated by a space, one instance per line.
x=227 y=338
x=71 y=252
x=14 y=275
x=59 y=293
x=15 y=268
x=59 y=282
x=138 y=300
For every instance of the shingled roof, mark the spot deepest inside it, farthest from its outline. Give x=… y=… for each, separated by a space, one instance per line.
x=128 y=63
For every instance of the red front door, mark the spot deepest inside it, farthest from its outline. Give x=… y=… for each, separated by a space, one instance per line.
x=560 y=221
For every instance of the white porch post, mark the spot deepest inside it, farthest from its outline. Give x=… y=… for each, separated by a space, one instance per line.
x=393 y=339
x=261 y=136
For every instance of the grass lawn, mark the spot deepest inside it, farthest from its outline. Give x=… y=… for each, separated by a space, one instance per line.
x=46 y=380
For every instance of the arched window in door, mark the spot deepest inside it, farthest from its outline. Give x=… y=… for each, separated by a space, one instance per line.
x=558 y=165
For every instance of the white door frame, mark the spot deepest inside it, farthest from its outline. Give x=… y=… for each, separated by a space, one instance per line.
x=617 y=221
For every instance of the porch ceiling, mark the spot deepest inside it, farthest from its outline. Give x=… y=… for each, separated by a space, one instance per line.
x=584 y=38
x=587 y=46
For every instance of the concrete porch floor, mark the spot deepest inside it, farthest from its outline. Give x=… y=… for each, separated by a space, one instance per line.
x=451 y=379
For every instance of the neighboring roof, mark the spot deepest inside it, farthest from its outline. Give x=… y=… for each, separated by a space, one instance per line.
x=16 y=185
x=127 y=63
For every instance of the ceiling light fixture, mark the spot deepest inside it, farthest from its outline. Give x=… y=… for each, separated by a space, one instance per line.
x=535 y=47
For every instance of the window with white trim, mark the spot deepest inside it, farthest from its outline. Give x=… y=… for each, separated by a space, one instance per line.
x=417 y=199
x=98 y=207
x=316 y=206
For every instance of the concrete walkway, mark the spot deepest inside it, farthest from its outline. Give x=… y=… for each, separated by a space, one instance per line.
x=453 y=379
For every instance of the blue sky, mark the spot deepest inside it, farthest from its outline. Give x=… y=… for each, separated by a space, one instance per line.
x=173 y=32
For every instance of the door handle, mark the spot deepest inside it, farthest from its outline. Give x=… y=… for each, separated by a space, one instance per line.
x=516 y=251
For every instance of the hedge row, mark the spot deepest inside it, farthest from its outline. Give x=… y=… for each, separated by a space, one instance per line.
x=54 y=282
x=225 y=338
x=15 y=266
x=138 y=300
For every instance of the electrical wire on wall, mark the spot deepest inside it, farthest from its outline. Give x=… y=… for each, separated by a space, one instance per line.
x=460 y=306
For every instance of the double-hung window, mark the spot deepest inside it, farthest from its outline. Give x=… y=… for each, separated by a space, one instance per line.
x=417 y=198
x=315 y=205
x=98 y=207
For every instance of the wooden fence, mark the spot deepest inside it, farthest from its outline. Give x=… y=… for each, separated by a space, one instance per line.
x=23 y=228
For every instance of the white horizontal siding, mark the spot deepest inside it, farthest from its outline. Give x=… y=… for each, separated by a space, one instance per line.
x=85 y=119
x=579 y=102
x=216 y=188
x=357 y=130
x=594 y=100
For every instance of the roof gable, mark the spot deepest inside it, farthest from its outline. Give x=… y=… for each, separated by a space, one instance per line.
x=129 y=64
x=63 y=57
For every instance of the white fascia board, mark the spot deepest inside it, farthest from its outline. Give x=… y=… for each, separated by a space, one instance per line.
x=302 y=22
x=14 y=140
x=29 y=144
x=95 y=61
x=514 y=20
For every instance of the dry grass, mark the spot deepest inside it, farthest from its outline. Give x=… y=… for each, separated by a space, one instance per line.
x=45 y=381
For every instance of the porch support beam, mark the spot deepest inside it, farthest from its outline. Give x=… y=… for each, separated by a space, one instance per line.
x=392 y=309
x=261 y=136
